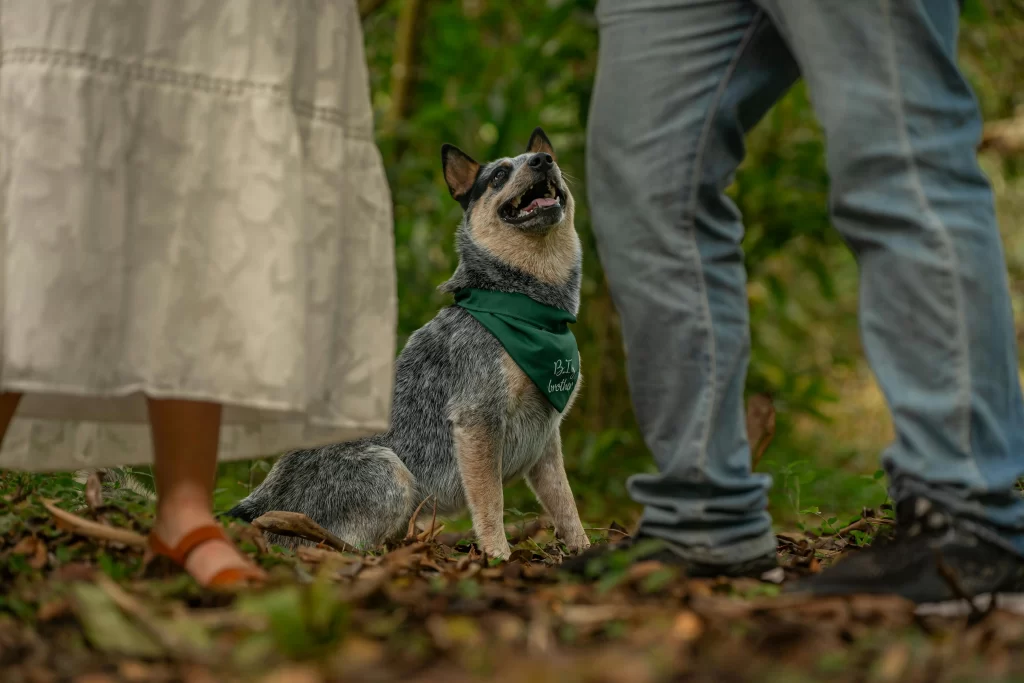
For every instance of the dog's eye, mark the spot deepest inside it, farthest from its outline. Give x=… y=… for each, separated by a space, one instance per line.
x=499 y=176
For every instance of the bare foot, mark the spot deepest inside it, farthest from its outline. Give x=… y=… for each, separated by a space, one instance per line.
x=208 y=558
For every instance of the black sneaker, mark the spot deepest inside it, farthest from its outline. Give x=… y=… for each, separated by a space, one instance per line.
x=930 y=559
x=600 y=559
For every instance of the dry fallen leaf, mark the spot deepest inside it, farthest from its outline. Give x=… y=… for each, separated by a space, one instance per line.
x=538 y=634
x=107 y=628
x=589 y=615
x=454 y=631
x=297 y=673
x=893 y=663
x=34 y=548
x=760 y=425
x=686 y=627
x=75 y=571
x=53 y=610
x=256 y=537
x=358 y=652
x=641 y=570
x=95 y=678
x=38 y=674
x=135 y=671
x=94 y=491
x=26 y=546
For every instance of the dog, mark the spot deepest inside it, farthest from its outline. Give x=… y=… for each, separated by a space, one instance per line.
x=466 y=417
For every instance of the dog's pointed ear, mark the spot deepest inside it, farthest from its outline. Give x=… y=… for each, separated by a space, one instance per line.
x=539 y=143
x=460 y=171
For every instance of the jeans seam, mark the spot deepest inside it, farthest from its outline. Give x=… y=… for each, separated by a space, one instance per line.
x=689 y=222
x=963 y=369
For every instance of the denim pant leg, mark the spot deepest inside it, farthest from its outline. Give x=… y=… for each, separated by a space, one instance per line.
x=678 y=83
x=901 y=126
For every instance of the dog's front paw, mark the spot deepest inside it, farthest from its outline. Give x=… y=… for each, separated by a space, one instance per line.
x=577 y=543
x=499 y=550
x=495 y=545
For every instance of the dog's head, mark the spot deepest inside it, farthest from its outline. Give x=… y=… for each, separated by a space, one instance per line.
x=525 y=193
x=519 y=209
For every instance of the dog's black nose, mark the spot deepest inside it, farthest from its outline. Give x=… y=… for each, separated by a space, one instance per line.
x=541 y=161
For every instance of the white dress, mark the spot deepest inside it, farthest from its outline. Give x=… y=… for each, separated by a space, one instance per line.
x=191 y=206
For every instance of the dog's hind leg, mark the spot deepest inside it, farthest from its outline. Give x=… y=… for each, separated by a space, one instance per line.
x=363 y=493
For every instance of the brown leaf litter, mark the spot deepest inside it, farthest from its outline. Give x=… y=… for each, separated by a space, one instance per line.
x=433 y=608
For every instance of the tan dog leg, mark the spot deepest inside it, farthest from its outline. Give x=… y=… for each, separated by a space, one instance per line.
x=551 y=486
x=480 y=467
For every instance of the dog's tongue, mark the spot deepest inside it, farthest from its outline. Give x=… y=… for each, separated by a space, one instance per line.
x=541 y=202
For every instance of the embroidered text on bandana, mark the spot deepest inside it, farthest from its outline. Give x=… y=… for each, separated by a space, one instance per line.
x=535 y=335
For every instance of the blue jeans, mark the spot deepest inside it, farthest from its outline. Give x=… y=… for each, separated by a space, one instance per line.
x=679 y=83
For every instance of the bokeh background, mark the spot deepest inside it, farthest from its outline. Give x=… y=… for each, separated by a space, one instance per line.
x=483 y=73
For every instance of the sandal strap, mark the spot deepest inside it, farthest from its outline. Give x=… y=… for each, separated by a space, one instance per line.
x=234 y=576
x=192 y=540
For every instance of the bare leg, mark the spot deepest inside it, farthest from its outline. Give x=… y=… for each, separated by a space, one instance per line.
x=185 y=437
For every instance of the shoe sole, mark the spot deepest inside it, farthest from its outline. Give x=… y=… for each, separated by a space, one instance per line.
x=1007 y=602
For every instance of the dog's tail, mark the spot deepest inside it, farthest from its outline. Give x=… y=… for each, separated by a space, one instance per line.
x=261 y=499
x=247 y=510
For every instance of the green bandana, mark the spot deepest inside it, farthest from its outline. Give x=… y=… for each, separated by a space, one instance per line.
x=535 y=335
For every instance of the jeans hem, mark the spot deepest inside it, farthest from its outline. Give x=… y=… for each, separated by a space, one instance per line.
x=740 y=551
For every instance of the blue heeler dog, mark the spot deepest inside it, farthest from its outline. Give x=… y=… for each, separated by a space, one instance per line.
x=466 y=418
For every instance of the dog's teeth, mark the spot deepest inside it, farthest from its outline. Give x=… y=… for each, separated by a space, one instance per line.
x=551 y=190
x=515 y=202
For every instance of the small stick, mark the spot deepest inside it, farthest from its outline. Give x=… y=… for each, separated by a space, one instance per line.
x=94 y=491
x=92 y=529
x=410 y=533
x=298 y=525
x=434 y=530
x=953 y=581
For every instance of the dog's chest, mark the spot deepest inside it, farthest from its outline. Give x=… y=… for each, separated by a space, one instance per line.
x=530 y=423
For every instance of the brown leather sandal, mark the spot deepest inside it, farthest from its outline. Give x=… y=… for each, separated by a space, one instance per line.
x=230 y=577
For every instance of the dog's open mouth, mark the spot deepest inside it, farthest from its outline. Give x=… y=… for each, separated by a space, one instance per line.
x=543 y=196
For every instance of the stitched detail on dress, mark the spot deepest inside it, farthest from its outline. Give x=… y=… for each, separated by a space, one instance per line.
x=181 y=79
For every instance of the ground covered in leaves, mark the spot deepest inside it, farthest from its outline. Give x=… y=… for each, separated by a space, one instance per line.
x=80 y=603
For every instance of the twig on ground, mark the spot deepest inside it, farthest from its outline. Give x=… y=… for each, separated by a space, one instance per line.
x=86 y=527
x=953 y=581
x=410 y=534
x=94 y=491
x=861 y=523
x=433 y=520
x=298 y=525
x=428 y=534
